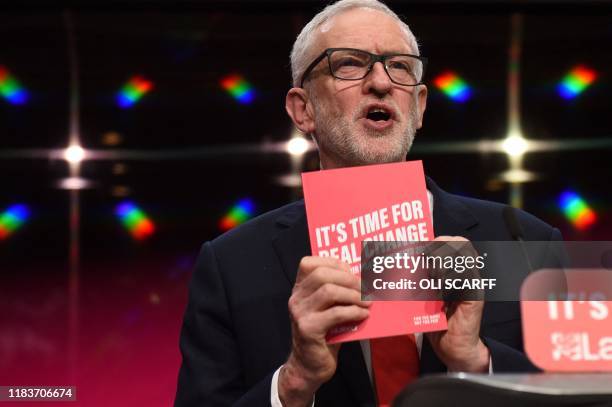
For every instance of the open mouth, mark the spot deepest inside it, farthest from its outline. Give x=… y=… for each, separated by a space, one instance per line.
x=378 y=114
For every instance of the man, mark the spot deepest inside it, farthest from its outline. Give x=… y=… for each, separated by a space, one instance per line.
x=260 y=306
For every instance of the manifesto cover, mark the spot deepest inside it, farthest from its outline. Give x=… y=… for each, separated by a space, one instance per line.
x=386 y=202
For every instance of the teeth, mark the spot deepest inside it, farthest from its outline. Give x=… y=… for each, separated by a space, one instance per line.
x=379 y=110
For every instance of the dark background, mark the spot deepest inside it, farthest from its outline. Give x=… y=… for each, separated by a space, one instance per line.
x=131 y=294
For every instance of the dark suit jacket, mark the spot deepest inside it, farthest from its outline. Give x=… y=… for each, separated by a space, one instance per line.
x=237 y=332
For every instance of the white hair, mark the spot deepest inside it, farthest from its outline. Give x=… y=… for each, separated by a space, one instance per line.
x=301 y=52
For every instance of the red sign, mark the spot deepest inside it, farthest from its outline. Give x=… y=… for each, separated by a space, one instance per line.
x=385 y=202
x=573 y=335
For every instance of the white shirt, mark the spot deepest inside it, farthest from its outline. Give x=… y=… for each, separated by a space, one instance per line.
x=365 y=348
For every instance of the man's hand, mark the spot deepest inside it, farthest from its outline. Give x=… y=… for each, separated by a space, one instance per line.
x=325 y=295
x=460 y=347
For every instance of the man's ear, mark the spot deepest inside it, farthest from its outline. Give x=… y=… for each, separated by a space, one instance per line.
x=421 y=99
x=300 y=110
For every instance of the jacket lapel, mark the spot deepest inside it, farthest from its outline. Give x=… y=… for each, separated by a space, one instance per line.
x=451 y=216
x=292 y=242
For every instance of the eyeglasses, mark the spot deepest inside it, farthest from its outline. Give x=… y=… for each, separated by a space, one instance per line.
x=354 y=64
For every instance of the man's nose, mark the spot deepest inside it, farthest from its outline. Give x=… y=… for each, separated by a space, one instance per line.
x=377 y=81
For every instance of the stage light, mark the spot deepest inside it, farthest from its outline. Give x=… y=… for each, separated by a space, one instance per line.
x=111 y=138
x=133 y=91
x=74 y=154
x=238 y=214
x=289 y=180
x=238 y=88
x=12 y=219
x=576 y=81
x=576 y=210
x=515 y=145
x=74 y=183
x=135 y=220
x=297 y=146
x=517 y=176
x=10 y=88
x=453 y=86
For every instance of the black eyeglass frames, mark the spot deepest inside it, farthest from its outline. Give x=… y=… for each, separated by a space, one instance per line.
x=354 y=64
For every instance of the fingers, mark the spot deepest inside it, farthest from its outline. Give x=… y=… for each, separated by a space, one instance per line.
x=326 y=293
x=319 y=323
x=314 y=272
x=451 y=239
x=327 y=275
x=329 y=294
x=310 y=263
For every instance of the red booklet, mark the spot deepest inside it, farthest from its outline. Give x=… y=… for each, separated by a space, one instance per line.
x=349 y=205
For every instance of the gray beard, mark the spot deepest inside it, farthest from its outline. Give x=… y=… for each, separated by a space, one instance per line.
x=334 y=138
